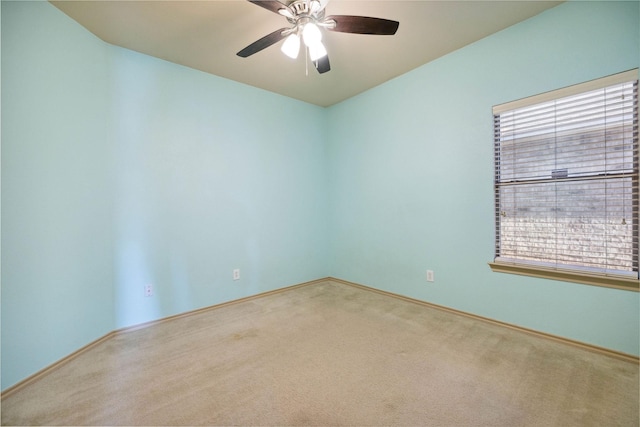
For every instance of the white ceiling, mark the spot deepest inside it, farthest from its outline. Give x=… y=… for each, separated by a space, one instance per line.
x=206 y=35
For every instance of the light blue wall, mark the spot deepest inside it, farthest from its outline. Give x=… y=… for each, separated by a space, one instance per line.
x=120 y=170
x=57 y=263
x=210 y=177
x=411 y=172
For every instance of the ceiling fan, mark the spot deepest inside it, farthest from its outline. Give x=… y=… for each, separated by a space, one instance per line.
x=307 y=18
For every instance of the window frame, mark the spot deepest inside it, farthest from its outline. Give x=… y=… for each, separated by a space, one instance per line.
x=629 y=281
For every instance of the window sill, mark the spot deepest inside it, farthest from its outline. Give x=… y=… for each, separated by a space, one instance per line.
x=595 y=279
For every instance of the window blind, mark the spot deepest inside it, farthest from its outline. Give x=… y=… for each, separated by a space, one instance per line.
x=566 y=178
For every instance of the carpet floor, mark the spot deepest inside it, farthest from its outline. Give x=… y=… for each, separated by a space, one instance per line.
x=330 y=354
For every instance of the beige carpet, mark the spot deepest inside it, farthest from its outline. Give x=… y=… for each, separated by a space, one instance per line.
x=331 y=354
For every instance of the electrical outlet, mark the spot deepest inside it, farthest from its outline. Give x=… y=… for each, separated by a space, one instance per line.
x=148 y=290
x=430 y=277
x=236 y=274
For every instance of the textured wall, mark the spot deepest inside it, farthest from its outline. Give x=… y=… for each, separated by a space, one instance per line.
x=121 y=170
x=411 y=170
x=57 y=263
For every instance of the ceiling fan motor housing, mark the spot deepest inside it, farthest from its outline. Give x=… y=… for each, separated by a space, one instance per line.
x=304 y=11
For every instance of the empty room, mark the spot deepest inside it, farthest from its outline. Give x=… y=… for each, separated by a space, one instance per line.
x=320 y=212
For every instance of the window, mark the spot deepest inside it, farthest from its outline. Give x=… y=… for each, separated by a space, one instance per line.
x=566 y=184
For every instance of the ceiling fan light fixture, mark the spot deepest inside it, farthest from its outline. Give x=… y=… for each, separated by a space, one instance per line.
x=291 y=46
x=311 y=34
x=307 y=19
x=317 y=51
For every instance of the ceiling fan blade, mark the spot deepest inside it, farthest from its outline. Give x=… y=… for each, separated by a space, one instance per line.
x=322 y=64
x=363 y=25
x=272 y=5
x=263 y=43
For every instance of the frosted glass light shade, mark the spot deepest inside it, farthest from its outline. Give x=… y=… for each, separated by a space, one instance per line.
x=317 y=51
x=291 y=46
x=311 y=34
